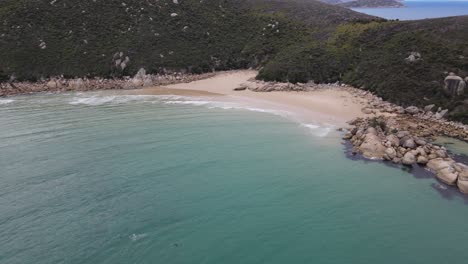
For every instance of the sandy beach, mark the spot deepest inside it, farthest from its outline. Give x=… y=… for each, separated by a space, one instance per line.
x=328 y=106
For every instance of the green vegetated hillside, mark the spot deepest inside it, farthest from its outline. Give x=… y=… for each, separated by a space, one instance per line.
x=42 y=38
x=289 y=40
x=374 y=56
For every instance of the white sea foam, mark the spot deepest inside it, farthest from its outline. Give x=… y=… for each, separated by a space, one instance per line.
x=191 y=102
x=6 y=101
x=121 y=99
x=212 y=104
x=320 y=131
x=110 y=99
x=136 y=237
x=208 y=102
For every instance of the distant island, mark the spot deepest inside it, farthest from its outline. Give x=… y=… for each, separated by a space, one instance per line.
x=366 y=3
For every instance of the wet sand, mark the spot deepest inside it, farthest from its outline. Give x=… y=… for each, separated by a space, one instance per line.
x=328 y=106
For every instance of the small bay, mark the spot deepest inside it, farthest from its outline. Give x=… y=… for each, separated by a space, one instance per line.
x=99 y=178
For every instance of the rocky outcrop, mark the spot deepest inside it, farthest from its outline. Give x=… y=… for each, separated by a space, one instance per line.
x=399 y=142
x=141 y=79
x=444 y=170
x=412 y=110
x=454 y=85
x=462 y=181
x=429 y=108
x=371 y=147
x=60 y=84
x=409 y=158
x=413 y=57
x=260 y=86
x=77 y=85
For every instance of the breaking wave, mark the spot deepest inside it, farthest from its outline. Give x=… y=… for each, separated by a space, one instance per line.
x=208 y=102
x=6 y=101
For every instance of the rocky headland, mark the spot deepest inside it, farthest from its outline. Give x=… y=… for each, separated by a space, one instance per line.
x=404 y=135
x=61 y=84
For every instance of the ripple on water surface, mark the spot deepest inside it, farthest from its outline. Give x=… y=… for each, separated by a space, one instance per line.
x=140 y=180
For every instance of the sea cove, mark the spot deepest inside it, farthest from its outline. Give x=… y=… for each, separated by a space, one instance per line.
x=233 y=131
x=118 y=179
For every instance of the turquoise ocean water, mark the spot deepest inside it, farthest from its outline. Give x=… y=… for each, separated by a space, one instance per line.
x=420 y=10
x=94 y=178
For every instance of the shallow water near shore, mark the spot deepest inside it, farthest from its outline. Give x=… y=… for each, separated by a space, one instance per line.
x=454 y=145
x=103 y=178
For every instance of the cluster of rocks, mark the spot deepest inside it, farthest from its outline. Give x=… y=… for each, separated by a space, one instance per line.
x=383 y=138
x=428 y=122
x=262 y=86
x=424 y=122
x=455 y=85
x=60 y=84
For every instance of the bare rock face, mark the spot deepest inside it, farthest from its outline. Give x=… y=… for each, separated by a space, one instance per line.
x=390 y=154
x=372 y=147
x=454 y=85
x=413 y=57
x=444 y=170
x=412 y=110
x=394 y=140
x=77 y=84
x=408 y=158
x=441 y=114
x=141 y=79
x=52 y=84
x=250 y=86
x=147 y=81
x=408 y=142
x=462 y=182
x=402 y=134
x=428 y=108
x=422 y=160
x=120 y=61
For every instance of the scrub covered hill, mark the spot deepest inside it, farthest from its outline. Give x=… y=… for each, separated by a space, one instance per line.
x=403 y=62
x=94 y=37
